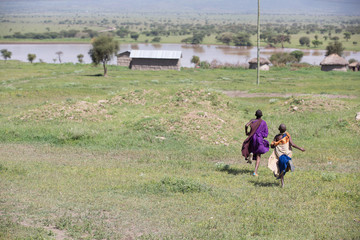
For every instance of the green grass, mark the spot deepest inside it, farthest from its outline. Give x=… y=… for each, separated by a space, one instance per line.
x=157 y=155
x=40 y=23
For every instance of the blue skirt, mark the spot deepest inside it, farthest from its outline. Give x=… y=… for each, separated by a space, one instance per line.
x=283 y=163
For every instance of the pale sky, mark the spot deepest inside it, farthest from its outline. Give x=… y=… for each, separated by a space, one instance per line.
x=342 y=7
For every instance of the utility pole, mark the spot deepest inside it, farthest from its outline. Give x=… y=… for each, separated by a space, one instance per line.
x=258 y=45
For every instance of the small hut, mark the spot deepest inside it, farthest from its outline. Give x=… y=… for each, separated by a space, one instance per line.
x=334 y=62
x=264 y=64
x=355 y=66
x=155 y=60
x=123 y=59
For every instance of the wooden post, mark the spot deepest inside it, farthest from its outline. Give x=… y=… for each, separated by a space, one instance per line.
x=258 y=45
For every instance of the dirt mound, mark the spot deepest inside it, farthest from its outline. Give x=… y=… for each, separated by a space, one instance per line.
x=193 y=98
x=314 y=104
x=205 y=126
x=69 y=111
x=245 y=94
x=134 y=97
x=84 y=110
x=202 y=115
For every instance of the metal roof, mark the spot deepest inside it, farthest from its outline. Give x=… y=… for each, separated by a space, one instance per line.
x=157 y=54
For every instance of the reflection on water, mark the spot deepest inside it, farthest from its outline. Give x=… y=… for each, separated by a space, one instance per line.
x=135 y=47
x=198 y=49
x=156 y=46
x=317 y=53
x=346 y=54
x=223 y=54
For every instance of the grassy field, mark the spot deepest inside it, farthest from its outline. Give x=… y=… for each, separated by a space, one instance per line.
x=157 y=155
x=139 y=22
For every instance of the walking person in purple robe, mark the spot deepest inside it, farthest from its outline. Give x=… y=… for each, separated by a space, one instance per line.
x=255 y=144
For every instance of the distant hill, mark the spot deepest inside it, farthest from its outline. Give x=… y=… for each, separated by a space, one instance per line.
x=341 y=7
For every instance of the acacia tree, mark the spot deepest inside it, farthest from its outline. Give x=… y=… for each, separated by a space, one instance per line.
x=31 y=57
x=225 y=37
x=334 y=47
x=281 y=38
x=104 y=48
x=347 y=36
x=80 y=58
x=316 y=43
x=297 y=54
x=195 y=60
x=6 y=54
x=304 y=41
x=59 y=53
x=134 y=35
x=242 y=39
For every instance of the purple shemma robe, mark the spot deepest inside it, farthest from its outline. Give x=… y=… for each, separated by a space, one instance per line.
x=259 y=145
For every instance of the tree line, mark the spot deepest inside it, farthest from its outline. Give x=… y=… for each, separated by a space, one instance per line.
x=86 y=33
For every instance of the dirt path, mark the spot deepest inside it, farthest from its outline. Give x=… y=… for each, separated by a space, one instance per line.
x=244 y=94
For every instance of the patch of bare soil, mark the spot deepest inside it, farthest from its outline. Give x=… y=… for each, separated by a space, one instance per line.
x=191 y=98
x=69 y=111
x=201 y=117
x=59 y=234
x=308 y=104
x=83 y=110
x=206 y=126
x=244 y=94
x=134 y=97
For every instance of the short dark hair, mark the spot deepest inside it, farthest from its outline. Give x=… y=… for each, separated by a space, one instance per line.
x=282 y=128
x=258 y=113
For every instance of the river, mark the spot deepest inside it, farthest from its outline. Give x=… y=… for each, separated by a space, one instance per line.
x=223 y=54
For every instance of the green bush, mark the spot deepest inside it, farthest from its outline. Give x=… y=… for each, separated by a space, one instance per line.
x=297 y=54
x=279 y=59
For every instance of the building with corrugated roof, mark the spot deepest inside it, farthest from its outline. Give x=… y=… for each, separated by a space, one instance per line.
x=154 y=60
x=123 y=59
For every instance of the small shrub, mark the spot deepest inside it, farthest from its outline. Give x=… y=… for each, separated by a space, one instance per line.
x=280 y=59
x=2 y=168
x=195 y=60
x=297 y=54
x=63 y=223
x=328 y=177
x=204 y=64
x=176 y=185
x=221 y=166
x=273 y=100
x=156 y=39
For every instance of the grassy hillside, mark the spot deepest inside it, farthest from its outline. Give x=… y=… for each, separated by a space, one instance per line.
x=156 y=155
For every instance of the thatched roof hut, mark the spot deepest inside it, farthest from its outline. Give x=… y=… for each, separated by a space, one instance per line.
x=355 y=66
x=264 y=63
x=334 y=62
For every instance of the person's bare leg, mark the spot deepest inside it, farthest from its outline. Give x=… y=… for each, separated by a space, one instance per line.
x=258 y=158
x=282 y=181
